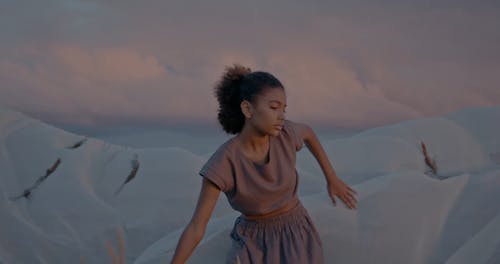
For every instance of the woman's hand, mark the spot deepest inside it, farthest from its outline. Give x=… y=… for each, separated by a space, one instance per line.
x=338 y=188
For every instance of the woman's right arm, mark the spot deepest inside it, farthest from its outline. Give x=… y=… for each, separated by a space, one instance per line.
x=195 y=230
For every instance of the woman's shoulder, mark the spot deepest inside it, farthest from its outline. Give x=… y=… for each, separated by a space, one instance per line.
x=292 y=133
x=226 y=149
x=221 y=157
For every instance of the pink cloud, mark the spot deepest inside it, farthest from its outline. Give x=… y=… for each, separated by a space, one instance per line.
x=111 y=64
x=324 y=89
x=70 y=83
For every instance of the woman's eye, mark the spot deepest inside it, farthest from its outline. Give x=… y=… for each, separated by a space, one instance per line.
x=276 y=108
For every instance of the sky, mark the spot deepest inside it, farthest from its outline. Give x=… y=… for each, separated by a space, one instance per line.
x=348 y=64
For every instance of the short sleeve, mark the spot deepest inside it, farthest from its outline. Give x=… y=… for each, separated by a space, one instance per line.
x=296 y=137
x=218 y=170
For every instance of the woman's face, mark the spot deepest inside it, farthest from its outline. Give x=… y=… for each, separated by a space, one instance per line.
x=268 y=112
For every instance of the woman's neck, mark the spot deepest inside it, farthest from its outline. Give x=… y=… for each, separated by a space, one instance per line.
x=252 y=141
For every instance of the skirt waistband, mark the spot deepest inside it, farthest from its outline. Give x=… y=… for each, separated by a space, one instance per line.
x=290 y=206
x=293 y=215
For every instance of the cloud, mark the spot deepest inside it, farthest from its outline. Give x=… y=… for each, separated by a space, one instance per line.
x=343 y=63
x=325 y=90
x=110 y=65
x=78 y=83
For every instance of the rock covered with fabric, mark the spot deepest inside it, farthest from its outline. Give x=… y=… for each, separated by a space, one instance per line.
x=406 y=213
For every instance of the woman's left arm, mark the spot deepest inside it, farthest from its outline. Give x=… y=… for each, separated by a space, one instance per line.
x=335 y=186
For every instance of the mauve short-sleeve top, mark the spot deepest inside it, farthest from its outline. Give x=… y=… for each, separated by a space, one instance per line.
x=252 y=188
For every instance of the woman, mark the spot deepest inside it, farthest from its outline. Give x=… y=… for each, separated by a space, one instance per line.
x=256 y=171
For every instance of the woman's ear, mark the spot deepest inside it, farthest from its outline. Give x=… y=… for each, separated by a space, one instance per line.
x=246 y=108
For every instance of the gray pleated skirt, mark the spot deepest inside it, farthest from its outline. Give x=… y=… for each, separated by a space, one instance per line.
x=286 y=238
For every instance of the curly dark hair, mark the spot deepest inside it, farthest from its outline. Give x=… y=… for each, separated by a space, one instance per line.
x=239 y=83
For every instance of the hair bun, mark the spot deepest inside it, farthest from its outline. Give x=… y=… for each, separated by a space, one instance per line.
x=236 y=72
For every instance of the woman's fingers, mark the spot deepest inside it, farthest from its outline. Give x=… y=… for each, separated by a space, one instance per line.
x=352 y=197
x=350 y=193
x=349 y=201
x=351 y=204
x=345 y=200
x=353 y=200
x=351 y=189
x=346 y=196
